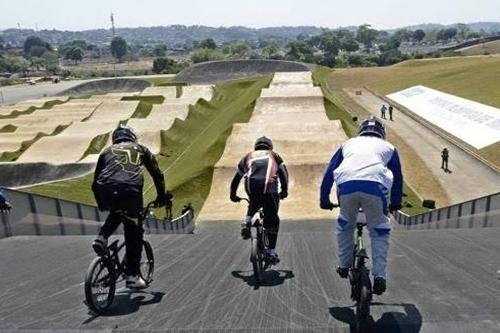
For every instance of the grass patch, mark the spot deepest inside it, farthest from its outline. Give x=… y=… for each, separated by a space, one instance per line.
x=482 y=49
x=10 y=156
x=145 y=104
x=96 y=145
x=190 y=148
x=475 y=78
x=336 y=110
x=8 y=129
x=161 y=80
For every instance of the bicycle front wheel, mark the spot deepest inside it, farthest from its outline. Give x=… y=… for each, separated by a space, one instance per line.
x=100 y=285
x=147 y=262
x=363 y=305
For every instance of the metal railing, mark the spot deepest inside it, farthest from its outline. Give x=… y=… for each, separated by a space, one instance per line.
x=482 y=212
x=39 y=215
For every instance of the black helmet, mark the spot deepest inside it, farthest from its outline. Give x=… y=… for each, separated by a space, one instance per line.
x=123 y=133
x=372 y=127
x=263 y=143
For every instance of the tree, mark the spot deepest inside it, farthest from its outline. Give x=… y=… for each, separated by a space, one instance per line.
x=239 y=49
x=418 y=35
x=299 y=51
x=34 y=41
x=75 y=54
x=463 y=30
x=202 y=55
x=37 y=62
x=349 y=44
x=51 y=62
x=446 y=34
x=37 y=51
x=1 y=43
x=160 y=50
x=403 y=35
x=118 y=48
x=164 y=66
x=208 y=43
x=366 y=35
x=329 y=43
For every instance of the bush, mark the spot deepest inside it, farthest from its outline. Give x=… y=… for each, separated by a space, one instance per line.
x=164 y=66
x=204 y=54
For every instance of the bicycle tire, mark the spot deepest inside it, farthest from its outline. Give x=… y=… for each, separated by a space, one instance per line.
x=363 y=305
x=147 y=264
x=255 y=258
x=93 y=279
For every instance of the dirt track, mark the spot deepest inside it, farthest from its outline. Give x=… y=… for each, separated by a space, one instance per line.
x=292 y=114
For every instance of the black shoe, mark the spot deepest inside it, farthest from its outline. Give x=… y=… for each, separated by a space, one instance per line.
x=273 y=258
x=379 y=285
x=343 y=272
x=245 y=231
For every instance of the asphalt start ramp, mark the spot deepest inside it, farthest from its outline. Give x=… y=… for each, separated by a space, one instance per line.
x=290 y=112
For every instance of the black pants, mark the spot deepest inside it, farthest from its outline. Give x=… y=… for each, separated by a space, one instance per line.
x=444 y=163
x=133 y=230
x=269 y=203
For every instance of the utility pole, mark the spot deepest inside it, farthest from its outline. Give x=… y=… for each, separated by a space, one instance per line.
x=112 y=18
x=113 y=24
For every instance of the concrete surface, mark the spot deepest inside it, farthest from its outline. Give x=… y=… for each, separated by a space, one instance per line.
x=469 y=178
x=439 y=281
x=290 y=112
x=17 y=93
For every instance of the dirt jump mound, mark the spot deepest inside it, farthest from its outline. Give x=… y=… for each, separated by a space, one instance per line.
x=290 y=112
x=218 y=71
x=106 y=85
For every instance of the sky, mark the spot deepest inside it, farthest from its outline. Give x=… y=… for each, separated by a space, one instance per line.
x=381 y=14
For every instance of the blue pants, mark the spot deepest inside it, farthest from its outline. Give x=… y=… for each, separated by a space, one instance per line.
x=372 y=197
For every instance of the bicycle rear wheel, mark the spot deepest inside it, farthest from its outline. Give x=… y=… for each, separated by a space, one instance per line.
x=363 y=304
x=256 y=259
x=99 y=286
x=147 y=262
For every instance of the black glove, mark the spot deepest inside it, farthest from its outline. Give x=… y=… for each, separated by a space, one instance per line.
x=5 y=207
x=161 y=200
x=393 y=208
x=283 y=194
x=326 y=205
x=235 y=198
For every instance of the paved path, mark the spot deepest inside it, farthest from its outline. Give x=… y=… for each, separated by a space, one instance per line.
x=439 y=281
x=17 y=93
x=469 y=178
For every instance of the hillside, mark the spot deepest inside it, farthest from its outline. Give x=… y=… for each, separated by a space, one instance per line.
x=475 y=78
x=481 y=49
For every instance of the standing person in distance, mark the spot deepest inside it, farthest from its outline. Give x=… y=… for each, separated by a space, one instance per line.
x=382 y=111
x=445 y=154
x=368 y=174
x=261 y=169
x=390 y=111
x=118 y=184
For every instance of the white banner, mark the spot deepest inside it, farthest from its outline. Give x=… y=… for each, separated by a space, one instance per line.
x=475 y=123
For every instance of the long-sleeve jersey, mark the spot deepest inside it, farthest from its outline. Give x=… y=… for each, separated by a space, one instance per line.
x=2 y=198
x=261 y=170
x=122 y=165
x=365 y=158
